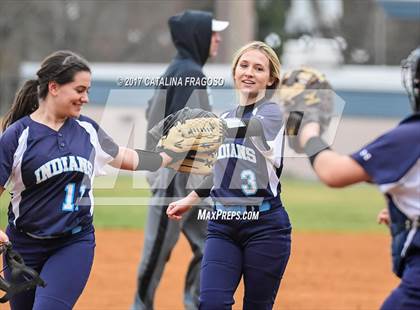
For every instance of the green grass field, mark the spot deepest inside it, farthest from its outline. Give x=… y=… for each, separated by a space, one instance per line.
x=311 y=206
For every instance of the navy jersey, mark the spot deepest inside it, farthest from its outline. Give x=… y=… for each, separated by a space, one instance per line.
x=393 y=163
x=52 y=173
x=247 y=170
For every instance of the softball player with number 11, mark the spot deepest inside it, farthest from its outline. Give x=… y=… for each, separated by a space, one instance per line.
x=51 y=153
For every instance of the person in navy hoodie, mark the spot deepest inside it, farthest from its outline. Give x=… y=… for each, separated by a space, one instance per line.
x=196 y=37
x=50 y=153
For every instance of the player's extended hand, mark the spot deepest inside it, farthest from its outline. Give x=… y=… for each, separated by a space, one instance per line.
x=3 y=237
x=177 y=208
x=383 y=217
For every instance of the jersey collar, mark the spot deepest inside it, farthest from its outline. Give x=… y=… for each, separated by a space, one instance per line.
x=412 y=118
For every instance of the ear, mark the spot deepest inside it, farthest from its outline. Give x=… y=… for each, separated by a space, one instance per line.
x=53 y=88
x=271 y=81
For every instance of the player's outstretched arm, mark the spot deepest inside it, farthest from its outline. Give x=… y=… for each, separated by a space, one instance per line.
x=333 y=169
x=129 y=159
x=177 y=208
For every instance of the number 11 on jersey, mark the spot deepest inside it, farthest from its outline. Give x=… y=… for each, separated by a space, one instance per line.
x=69 y=198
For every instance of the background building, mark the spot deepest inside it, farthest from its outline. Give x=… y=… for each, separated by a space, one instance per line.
x=358 y=44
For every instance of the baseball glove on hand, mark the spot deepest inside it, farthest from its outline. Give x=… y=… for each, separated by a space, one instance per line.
x=23 y=278
x=306 y=97
x=191 y=137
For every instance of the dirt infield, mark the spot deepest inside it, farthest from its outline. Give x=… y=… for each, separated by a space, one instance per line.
x=326 y=272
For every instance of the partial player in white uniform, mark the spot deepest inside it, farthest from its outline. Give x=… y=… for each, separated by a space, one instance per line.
x=392 y=162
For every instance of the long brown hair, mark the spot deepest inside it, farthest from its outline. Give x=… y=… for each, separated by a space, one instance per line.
x=60 y=66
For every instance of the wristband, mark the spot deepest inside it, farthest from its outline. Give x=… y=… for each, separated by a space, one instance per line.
x=204 y=188
x=150 y=161
x=203 y=192
x=313 y=147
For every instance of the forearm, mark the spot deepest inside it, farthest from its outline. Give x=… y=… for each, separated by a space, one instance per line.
x=204 y=188
x=129 y=159
x=126 y=159
x=336 y=170
x=193 y=198
x=333 y=169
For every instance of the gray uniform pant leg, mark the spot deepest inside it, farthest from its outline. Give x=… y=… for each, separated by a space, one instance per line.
x=161 y=236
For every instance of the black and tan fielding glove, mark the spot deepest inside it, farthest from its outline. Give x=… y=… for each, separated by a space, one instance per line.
x=306 y=96
x=191 y=137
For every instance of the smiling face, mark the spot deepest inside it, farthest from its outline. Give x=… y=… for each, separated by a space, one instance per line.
x=252 y=75
x=69 y=98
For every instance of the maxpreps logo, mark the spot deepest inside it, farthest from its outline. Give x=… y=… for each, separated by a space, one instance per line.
x=206 y=215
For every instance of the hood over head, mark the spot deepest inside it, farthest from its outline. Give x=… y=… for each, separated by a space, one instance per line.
x=191 y=33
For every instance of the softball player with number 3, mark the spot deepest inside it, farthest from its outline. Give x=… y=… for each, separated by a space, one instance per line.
x=51 y=154
x=246 y=178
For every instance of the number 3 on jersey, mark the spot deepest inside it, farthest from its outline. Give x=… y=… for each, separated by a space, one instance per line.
x=250 y=185
x=69 y=199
